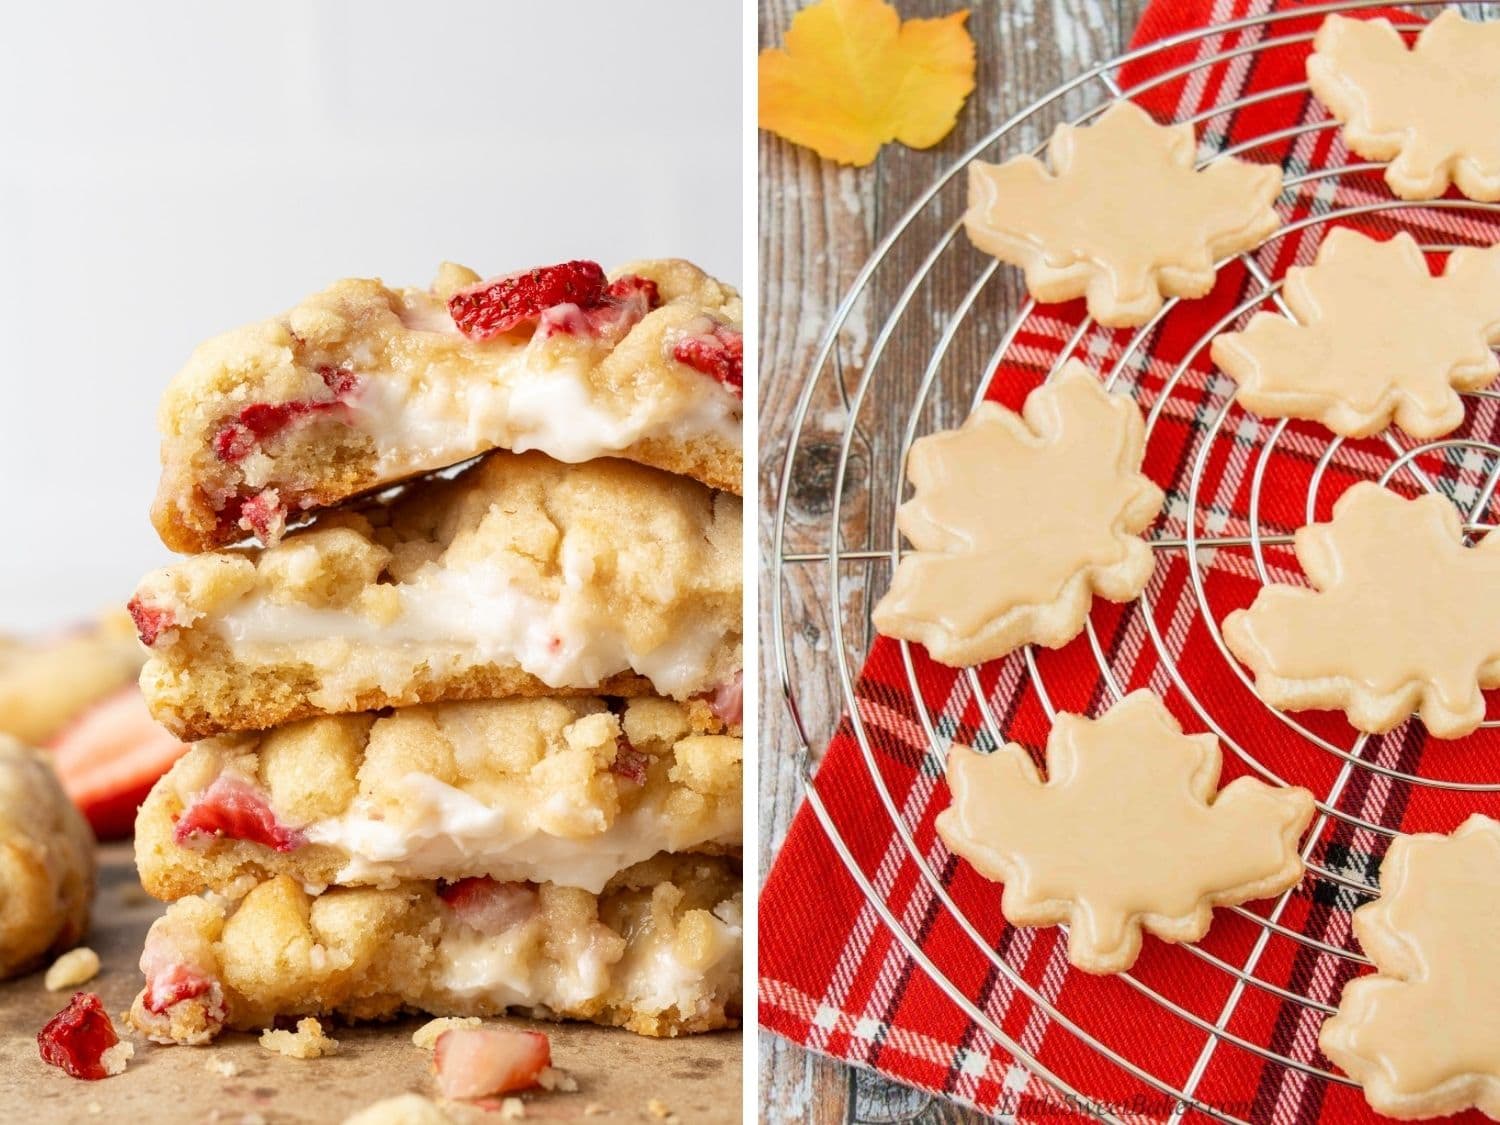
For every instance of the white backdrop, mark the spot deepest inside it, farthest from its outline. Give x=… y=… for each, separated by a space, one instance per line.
x=172 y=169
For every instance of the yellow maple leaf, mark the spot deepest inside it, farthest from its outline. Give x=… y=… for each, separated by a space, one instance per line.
x=853 y=76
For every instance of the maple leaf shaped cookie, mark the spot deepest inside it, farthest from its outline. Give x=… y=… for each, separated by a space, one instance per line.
x=1422 y=1034
x=1018 y=520
x=1404 y=617
x=1126 y=832
x=1122 y=217
x=1379 y=337
x=1433 y=110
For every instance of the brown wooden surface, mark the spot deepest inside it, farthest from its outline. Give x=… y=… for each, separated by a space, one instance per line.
x=818 y=224
x=697 y=1078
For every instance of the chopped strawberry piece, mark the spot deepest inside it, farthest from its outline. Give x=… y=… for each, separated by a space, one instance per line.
x=340 y=380
x=629 y=764
x=109 y=757
x=728 y=700
x=235 y=809
x=491 y=907
x=76 y=1038
x=237 y=438
x=233 y=442
x=478 y=1062
x=633 y=285
x=265 y=515
x=150 y=621
x=484 y=311
x=172 y=984
x=719 y=354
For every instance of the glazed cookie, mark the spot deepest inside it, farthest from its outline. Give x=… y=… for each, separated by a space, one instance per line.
x=362 y=386
x=46 y=684
x=658 y=952
x=542 y=790
x=1121 y=216
x=1419 y=1034
x=988 y=575
x=1376 y=337
x=521 y=576
x=1403 y=617
x=46 y=862
x=1433 y=110
x=1129 y=830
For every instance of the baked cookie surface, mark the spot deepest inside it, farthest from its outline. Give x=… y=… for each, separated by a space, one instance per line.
x=565 y=791
x=1018 y=520
x=1377 y=338
x=1431 y=109
x=1421 y=1033
x=1403 y=619
x=1128 y=831
x=658 y=952
x=519 y=576
x=362 y=386
x=1119 y=214
x=46 y=862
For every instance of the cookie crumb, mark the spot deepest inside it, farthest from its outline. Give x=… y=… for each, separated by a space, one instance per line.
x=551 y=1078
x=595 y=1109
x=227 y=1067
x=658 y=1108
x=426 y=1036
x=114 y=1058
x=73 y=968
x=512 y=1109
x=94 y=1109
x=307 y=1042
x=404 y=1109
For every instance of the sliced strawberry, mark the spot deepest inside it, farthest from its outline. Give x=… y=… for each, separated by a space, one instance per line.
x=235 y=809
x=629 y=764
x=491 y=907
x=478 y=1062
x=110 y=756
x=76 y=1038
x=728 y=700
x=484 y=311
x=719 y=354
x=150 y=621
x=624 y=305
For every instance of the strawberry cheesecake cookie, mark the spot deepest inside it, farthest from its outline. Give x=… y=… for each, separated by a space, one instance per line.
x=45 y=684
x=658 y=952
x=520 y=576
x=46 y=862
x=566 y=791
x=362 y=386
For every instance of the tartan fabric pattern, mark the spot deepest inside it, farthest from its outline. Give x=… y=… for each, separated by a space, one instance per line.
x=1233 y=1020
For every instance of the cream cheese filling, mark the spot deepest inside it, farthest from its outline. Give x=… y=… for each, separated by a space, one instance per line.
x=474 y=616
x=443 y=832
x=651 y=976
x=528 y=402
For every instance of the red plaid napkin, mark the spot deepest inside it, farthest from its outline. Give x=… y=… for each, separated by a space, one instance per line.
x=833 y=976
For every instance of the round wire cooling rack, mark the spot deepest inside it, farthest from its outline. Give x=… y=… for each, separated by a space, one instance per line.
x=937 y=302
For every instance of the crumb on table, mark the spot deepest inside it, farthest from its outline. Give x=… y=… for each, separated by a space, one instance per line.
x=307 y=1042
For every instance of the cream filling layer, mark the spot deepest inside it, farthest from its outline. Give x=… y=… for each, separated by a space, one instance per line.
x=651 y=976
x=529 y=402
x=444 y=833
x=459 y=618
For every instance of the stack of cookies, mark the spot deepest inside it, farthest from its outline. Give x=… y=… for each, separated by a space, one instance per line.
x=469 y=711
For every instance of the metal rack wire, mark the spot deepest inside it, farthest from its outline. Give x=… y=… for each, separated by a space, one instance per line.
x=840 y=624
